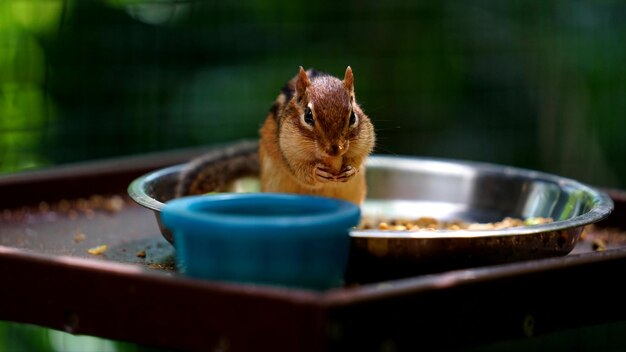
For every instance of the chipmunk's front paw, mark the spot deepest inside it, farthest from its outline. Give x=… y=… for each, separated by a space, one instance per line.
x=322 y=173
x=346 y=174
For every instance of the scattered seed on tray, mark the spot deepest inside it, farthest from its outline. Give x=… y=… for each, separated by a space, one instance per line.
x=113 y=204
x=598 y=245
x=72 y=208
x=141 y=254
x=44 y=207
x=99 y=250
x=79 y=237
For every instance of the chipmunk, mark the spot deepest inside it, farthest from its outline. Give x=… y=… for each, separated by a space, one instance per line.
x=315 y=140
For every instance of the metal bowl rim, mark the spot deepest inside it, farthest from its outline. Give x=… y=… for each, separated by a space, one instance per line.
x=602 y=207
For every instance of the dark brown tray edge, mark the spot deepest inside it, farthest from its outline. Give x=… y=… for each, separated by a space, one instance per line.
x=105 y=176
x=474 y=307
x=440 y=281
x=151 y=308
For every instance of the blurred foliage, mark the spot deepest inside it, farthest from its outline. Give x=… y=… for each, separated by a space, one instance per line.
x=539 y=85
x=535 y=84
x=16 y=337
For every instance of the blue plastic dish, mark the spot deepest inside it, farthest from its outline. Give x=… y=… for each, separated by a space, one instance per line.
x=265 y=238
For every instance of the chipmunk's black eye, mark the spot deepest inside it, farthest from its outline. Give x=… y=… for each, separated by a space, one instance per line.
x=353 y=119
x=308 y=116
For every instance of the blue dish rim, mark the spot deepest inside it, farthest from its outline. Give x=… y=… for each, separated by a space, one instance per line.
x=329 y=214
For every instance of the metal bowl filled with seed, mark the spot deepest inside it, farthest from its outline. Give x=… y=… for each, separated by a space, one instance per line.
x=428 y=215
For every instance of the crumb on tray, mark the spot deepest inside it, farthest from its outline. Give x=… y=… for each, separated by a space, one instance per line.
x=79 y=237
x=113 y=204
x=598 y=245
x=99 y=250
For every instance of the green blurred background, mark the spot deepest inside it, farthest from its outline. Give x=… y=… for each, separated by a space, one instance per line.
x=534 y=84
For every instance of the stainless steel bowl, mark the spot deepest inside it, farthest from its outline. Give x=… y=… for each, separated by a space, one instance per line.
x=400 y=187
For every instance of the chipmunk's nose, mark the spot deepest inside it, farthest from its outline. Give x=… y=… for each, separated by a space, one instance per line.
x=336 y=149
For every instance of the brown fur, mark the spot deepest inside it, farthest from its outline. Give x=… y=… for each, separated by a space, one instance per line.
x=327 y=159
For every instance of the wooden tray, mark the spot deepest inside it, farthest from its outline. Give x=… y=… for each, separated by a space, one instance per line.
x=49 y=220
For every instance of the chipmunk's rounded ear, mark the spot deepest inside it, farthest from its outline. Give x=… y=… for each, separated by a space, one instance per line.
x=302 y=83
x=348 y=80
